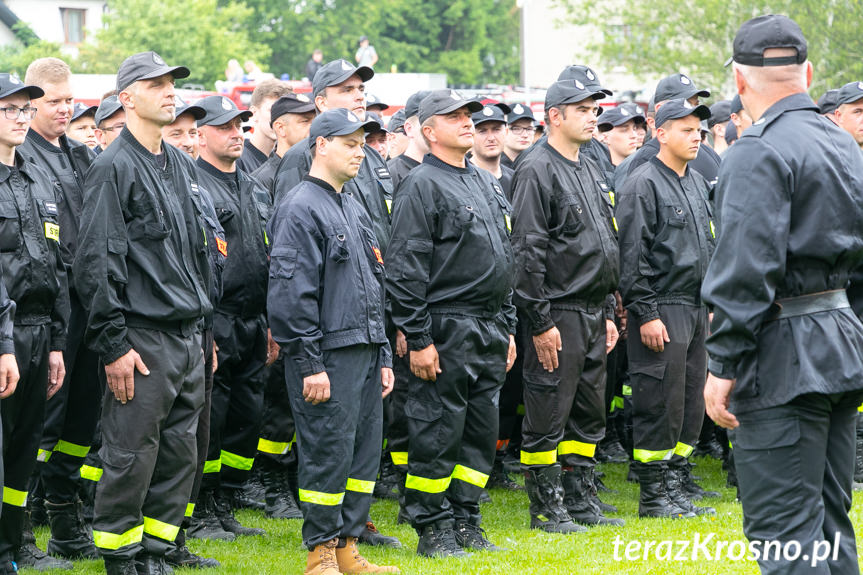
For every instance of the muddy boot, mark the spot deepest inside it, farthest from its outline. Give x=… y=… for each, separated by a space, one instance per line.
x=580 y=500
x=322 y=559
x=674 y=488
x=438 y=540
x=350 y=561
x=280 y=502
x=204 y=523
x=69 y=536
x=653 y=499
x=545 y=492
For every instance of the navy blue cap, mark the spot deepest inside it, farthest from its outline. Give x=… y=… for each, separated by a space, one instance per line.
x=338 y=122
x=182 y=107
x=736 y=105
x=397 y=121
x=220 y=110
x=490 y=113
x=372 y=100
x=412 y=106
x=677 y=86
x=680 y=108
x=146 y=66
x=291 y=104
x=828 y=102
x=107 y=108
x=440 y=102
x=335 y=72
x=586 y=76
x=10 y=84
x=613 y=117
x=765 y=32
x=730 y=133
x=81 y=110
x=851 y=92
x=519 y=112
x=377 y=119
x=570 y=91
x=720 y=112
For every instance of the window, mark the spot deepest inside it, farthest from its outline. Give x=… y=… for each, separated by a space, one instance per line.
x=73 y=25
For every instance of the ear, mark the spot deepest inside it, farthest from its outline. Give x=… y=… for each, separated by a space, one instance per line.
x=739 y=81
x=126 y=99
x=809 y=69
x=428 y=131
x=321 y=102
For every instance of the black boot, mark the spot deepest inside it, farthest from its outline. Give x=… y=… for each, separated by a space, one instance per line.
x=371 y=536
x=31 y=556
x=225 y=500
x=469 y=535
x=280 y=502
x=580 y=499
x=500 y=478
x=120 y=566
x=631 y=475
x=610 y=450
x=387 y=483
x=204 y=524
x=180 y=556
x=69 y=536
x=545 y=492
x=36 y=507
x=241 y=499
x=690 y=487
x=147 y=564
x=858 y=458
x=653 y=500
x=438 y=540
x=253 y=488
x=676 y=492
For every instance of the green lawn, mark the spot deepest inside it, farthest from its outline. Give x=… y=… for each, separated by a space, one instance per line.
x=506 y=521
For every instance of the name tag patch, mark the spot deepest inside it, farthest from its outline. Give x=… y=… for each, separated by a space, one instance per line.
x=52 y=231
x=382 y=173
x=50 y=208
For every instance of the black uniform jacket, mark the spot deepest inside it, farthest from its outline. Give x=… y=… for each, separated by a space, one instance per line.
x=790 y=215
x=705 y=163
x=450 y=248
x=142 y=256
x=666 y=238
x=217 y=248
x=7 y=317
x=266 y=175
x=243 y=208
x=252 y=158
x=326 y=276
x=399 y=168
x=563 y=236
x=30 y=233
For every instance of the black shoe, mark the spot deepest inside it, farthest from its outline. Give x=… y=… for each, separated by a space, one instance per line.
x=225 y=513
x=653 y=500
x=204 y=524
x=147 y=564
x=690 y=487
x=386 y=487
x=180 y=556
x=500 y=478
x=470 y=536
x=580 y=498
x=602 y=487
x=31 y=556
x=239 y=499
x=611 y=451
x=709 y=448
x=439 y=540
x=371 y=536
x=545 y=493
x=120 y=566
x=484 y=497
x=674 y=488
x=36 y=510
x=280 y=502
x=253 y=488
x=69 y=537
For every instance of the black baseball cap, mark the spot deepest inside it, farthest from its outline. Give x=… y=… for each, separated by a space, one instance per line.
x=680 y=108
x=335 y=72
x=720 y=112
x=107 y=108
x=80 y=110
x=397 y=121
x=585 y=75
x=338 y=122
x=291 y=104
x=146 y=66
x=182 y=107
x=412 y=106
x=377 y=119
x=220 y=110
x=10 y=84
x=677 y=86
x=440 y=102
x=618 y=116
x=730 y=133
x=570 y=91
x=519 y=112
x=828 y=102
x=736 y=105
x=490 y=113
x=372 y=100
x=851 y=92
x=765 y=32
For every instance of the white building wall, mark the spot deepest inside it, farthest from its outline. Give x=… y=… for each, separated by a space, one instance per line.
x=44 y=16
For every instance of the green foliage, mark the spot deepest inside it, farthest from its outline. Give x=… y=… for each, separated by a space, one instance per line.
x=14 y=58
x=658 y=37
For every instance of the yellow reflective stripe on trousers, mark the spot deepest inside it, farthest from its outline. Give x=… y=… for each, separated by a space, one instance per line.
x=14 y=497
x=399 y=457
x=360 y=486
x=683 y=450
x=572 y=447
x=237 y=461
x=213 y=466
x=43 y=455
x=160 y=529
x=91 y=473
x=427 y=485
x=469 y=475
x=72 y=449
x=112 y=541
x=539 y=457
x=321 y=498
x=190 y=508
x=273 y=447
x=645 y=455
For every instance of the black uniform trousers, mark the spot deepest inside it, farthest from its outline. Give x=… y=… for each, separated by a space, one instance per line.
x=72 y=414
x=511 y=400
x=564 y=410
x=398 y=436
x=453 y=422
x=277 y=423
x=339 y=443
x=668 y=387
x=23 y=414
x=202 y=434
x=795 y=464
x=238 y=400
x=148 y=447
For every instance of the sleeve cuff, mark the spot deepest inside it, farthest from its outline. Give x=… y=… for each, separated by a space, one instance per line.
x=386 y=356
x=310 y=366
x=116 y=352
x=542 y=325
x=7 y=346
x=722 y=369
x=648 y=314
x=419 y=343
x=58 y=344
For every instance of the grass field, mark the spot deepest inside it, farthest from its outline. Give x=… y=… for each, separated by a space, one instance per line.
x=506 y=522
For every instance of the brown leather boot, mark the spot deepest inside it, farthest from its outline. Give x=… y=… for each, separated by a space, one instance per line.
x=322 y=559
x=351 y=562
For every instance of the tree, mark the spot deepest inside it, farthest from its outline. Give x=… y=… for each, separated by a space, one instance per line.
x=658 y=37
x=199 y=34
x=15 y=57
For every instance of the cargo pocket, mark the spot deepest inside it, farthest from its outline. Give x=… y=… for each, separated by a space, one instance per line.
x=283 y=262
x=760 y=448
x=424 y=420
x=541 y=382
x=10 y=228
x=337 y=246
x=648 y=393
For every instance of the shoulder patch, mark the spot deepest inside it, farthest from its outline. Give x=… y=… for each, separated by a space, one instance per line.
x=50 y=208
x=383 y=173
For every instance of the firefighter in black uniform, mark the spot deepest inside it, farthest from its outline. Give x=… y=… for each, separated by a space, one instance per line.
x=326 y=307
x=399 y=166
x=141 y=271
x=72 y=416
x=566 y=272
x=8 y=365
x=449 y=281
x=666 y=240
x=786 y=350
x=36 y=279
x=239 y=326
x=291 y=116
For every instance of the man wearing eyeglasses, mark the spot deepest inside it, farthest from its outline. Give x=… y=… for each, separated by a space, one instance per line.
x=519 y=137
x=110 y=120
x=35 y=276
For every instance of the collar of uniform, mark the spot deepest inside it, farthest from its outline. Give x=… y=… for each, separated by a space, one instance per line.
x=800 y=101
x=661 y=165
x=37 y=140
x=23 y=166
x=575 y=164
x=438 y=163
x=216 y=172
x=320 y=183
x=407 y=160
x=127 y=136
x=248 y=145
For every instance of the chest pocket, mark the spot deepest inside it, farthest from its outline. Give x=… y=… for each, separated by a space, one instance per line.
x=675 y=216
x=48 y=213
x=337 y=245
x=572 y=214
x=149 y=217
x=10 y=227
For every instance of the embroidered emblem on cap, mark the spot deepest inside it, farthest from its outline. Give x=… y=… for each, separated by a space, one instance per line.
x=14 y=79
x=684 y=80
x=687 y=105
x=579 y=85
x=346 y=66
x=487 y=111
x=303 y=98
x=352 y=118
x=158 y=59
x=624 y=112
x=455 y=95
x=638 y=110
x=226 y=104
x=590 y=75
x=860 y=86
x=518 y=109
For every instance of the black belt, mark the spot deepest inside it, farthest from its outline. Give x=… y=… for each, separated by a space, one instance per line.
x=808 y=304
x=184 y=328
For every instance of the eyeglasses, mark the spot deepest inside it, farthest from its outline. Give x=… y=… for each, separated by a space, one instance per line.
x=519 y=130
x=12 y=112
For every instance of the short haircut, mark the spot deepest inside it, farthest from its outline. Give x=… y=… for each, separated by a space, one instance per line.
x=269 y=89
x=47 y=71
x=313 y=150
x=429 y=122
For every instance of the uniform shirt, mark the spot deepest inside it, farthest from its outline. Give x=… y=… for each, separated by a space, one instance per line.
x=666 y=238
x=563 y=237
x=66 y=164
x=450 y=248
x=30 y=257
x=252 y=158
x=142 y=253
x=505 y=179
x=266 y=175
x=326 y=287
x=7 y=317
x=790 y=212
x=399 y=168
x=705 y=163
